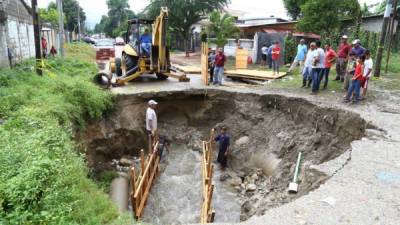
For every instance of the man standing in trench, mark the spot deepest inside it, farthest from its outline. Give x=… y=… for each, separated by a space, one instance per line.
x=151 y=122
x=224 y=142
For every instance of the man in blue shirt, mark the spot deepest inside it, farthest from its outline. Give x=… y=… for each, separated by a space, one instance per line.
x=357 y=49
x=269 y=56
x=145 y=42
x=300 y=56
x=223 y=149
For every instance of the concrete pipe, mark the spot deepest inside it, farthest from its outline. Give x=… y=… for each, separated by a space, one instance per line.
x=119 y=192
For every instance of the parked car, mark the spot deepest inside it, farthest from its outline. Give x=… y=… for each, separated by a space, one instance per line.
x=105 y=49
x=89 y=40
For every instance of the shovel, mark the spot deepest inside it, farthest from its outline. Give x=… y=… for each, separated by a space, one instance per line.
x=293 y=186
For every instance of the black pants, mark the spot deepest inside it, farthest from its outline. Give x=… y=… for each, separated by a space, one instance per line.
x=211 y=74
x=222 y=159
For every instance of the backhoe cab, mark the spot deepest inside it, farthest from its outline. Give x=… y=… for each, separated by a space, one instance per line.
x=145 y=52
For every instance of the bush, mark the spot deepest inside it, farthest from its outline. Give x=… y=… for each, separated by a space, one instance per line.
x=44 y=179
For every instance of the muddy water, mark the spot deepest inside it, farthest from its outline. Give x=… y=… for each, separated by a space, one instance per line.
x=176 y=196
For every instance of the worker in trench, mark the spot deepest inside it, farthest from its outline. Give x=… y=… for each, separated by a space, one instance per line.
x=223 y=140
x=151 y=123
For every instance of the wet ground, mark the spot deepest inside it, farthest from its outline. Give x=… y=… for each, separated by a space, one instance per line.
x=176 y=194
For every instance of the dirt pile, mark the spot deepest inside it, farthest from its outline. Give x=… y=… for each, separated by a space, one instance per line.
x=267 y=132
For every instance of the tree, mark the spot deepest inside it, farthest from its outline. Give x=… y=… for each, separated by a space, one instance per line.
x=324 y=17
x=49 y=15
x=293 y=7
x=70 y=9
x=114 y=24
x=184 y=13
x=221 y=28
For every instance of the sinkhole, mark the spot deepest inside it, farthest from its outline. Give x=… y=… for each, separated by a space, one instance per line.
x=267 y=132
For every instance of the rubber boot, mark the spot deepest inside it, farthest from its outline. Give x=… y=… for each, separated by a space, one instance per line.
x=304 y=83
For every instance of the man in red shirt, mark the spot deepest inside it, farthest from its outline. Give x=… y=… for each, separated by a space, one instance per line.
x=219 y=64
x=276 y=53
x=343 y=55
x=330 y=57
x=44 y=47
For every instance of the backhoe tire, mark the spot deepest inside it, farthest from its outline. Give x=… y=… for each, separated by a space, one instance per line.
x=161 y=76
x=118 y=67
x=130 y=62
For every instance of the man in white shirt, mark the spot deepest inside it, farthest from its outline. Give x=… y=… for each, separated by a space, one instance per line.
x=151 y=122
x=264 y=53
x=317 y=67
x=308 y=66
x=367 y=73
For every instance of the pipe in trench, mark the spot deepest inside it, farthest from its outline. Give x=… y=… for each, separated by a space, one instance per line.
x=119 y=192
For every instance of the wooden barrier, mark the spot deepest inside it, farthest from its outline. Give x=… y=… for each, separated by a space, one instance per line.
x=241 y=58
x=204 y=63
x=207 y=213
x=140 y=185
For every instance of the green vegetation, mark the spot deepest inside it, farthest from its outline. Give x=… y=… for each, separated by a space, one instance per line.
x=44 y=179
x=114 y=24
x=221 y=28
x=183 y=14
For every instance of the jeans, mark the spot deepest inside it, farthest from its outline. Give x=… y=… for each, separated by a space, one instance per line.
x=269 y=59
x=146 y=47
x=354 y=86
x=325 y=75
x=316 y=78
x=275 y=65
x=211 y=74
x=307 y=73
x=218 y=74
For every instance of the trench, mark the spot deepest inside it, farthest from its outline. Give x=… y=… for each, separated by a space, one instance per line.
x=267 y=132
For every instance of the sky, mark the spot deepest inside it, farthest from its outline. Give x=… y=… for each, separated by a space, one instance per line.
x=253 y=8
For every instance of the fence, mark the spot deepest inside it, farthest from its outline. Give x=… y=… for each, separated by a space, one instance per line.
x=204 y=63
x=207 y=213
x=140 y=186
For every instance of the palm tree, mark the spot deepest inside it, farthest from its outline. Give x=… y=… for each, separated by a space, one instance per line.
x=221 y=28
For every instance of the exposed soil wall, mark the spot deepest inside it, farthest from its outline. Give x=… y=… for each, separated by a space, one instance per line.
x=267 y=132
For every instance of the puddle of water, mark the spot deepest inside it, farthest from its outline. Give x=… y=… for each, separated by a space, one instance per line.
x=176 y=197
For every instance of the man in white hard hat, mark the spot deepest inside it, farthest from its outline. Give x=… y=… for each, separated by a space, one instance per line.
x=151 y=122
x=343 y=55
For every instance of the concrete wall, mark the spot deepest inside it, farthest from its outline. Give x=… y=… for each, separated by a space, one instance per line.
x=16 y=32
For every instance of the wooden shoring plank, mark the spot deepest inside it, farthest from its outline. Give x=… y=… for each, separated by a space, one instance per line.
x=133 y=187
x=142 y=162
x=209 y=197
x=147 y=190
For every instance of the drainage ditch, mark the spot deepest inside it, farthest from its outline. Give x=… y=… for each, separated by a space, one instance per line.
x=267 y=132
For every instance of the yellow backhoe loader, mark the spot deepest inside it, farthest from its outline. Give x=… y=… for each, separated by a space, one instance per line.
x=135 y=61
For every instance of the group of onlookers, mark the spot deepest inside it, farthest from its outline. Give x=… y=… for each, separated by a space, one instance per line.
x=353 y=66
x=216 y=64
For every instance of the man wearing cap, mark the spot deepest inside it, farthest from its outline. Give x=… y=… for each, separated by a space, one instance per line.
x=357 y=49
x=300 y=56
x=151 y=122
x=343 y=55
x=219 y=64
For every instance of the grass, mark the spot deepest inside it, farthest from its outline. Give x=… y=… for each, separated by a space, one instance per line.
x=44 y=178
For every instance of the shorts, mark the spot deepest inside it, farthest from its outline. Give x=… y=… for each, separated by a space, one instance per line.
x=264 y=57
x=364 y=83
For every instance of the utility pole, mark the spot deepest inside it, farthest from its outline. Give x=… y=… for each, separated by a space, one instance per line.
x=36 y=31
x=390 y=39
x=79 y=23
x=60 y=26
x=385 y=23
